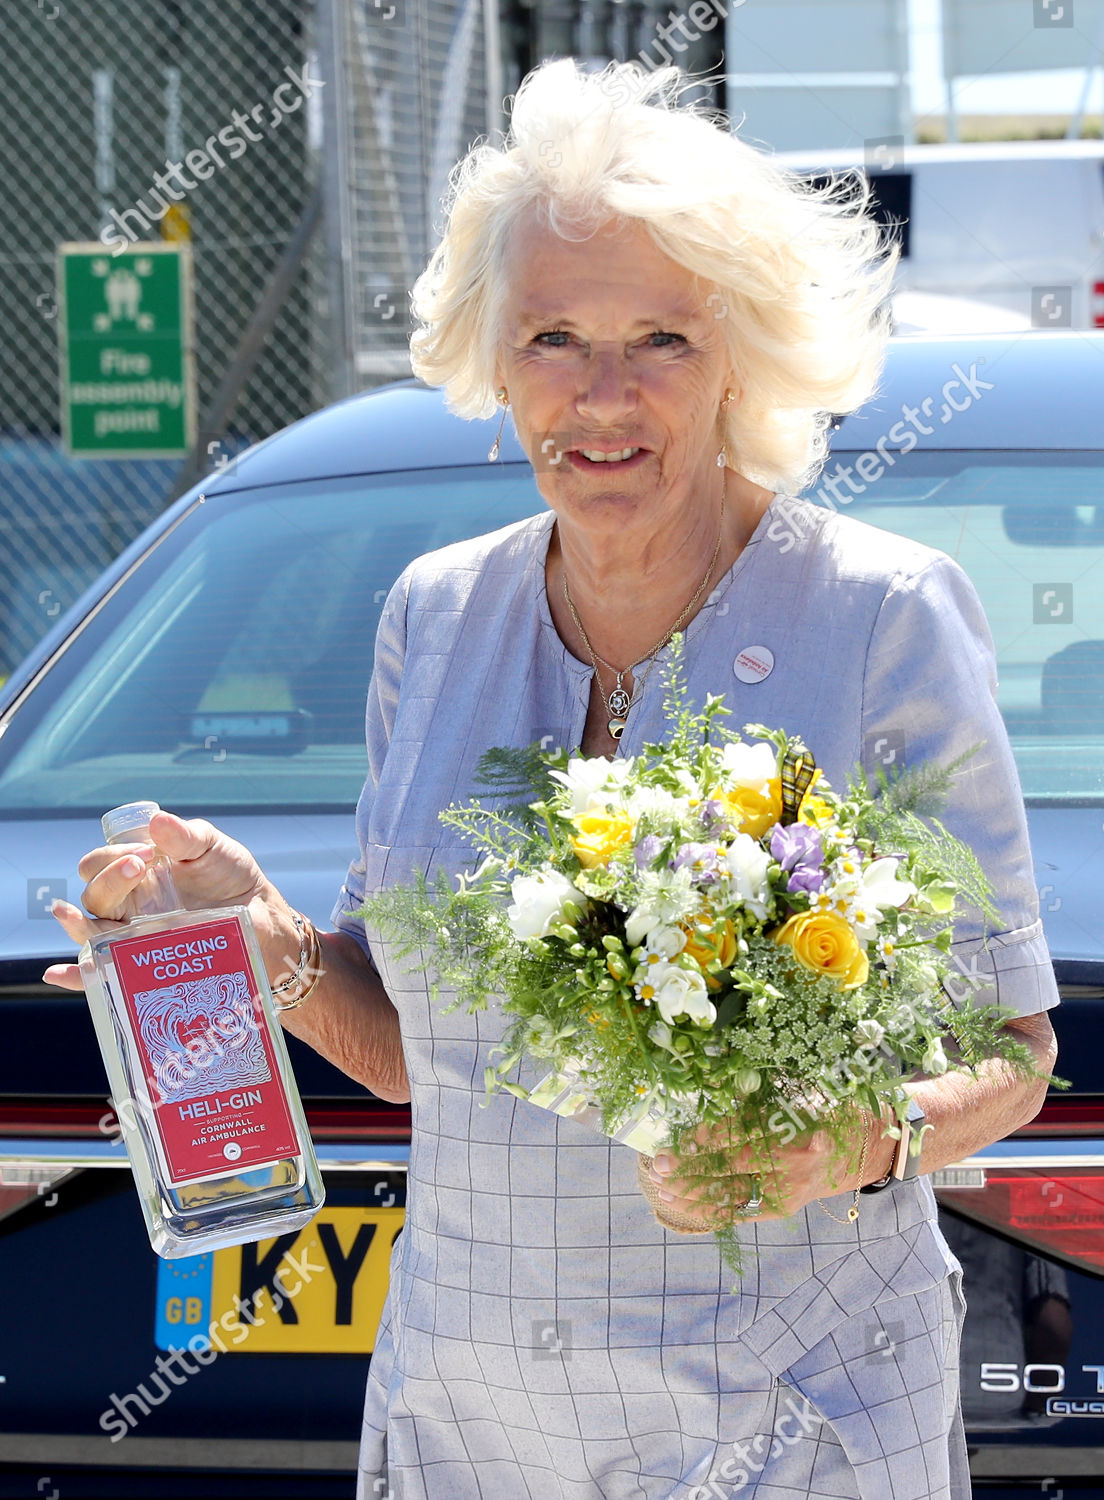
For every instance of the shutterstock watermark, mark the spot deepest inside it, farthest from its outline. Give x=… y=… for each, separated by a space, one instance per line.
x=840 y=486
x=680 y=29
x=871 y=1057
x=729 y=1477
x=172 y=184
x=176 y=1368
x=178 y=1069
x=181 y=1060
x=672 y=37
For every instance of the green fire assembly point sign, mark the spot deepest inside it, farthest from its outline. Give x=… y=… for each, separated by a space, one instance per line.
x=125 y=333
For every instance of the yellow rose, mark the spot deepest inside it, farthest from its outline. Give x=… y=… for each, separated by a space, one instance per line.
x=600 y=834
x=825 y=943
x=815 y=811
x=704 y=945
x=753 y=809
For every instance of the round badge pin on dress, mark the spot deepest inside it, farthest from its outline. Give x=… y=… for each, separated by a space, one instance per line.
x=753 y=663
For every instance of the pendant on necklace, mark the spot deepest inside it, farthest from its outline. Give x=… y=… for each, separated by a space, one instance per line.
x=619 y=705
x=616 y=727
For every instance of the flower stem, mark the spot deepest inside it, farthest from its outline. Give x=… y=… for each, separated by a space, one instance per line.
x=649 y=1066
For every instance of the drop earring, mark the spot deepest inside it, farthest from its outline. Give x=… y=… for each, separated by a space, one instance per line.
x=504 y=401
x=722 y=456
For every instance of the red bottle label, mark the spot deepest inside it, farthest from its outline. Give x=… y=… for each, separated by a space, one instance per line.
x=206 y=1055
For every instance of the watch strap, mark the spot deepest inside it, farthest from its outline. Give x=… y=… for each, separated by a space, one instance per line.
x=905 y=1165
x=879 y=1186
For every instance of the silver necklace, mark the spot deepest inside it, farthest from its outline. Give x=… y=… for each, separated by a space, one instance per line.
x=618 y=702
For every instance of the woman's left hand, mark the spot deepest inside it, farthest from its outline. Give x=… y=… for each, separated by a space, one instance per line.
x=797 y=1174
x=964 y=1113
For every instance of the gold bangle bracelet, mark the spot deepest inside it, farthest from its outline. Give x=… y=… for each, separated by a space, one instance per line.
x=310 y=963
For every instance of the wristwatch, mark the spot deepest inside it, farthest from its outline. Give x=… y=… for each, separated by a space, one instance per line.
x=906 y=1164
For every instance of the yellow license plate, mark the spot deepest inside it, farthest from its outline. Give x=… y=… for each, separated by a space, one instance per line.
x=319 y=1290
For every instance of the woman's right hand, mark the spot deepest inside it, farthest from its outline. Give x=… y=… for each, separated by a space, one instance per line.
x=352 y=1021
x=210 y=870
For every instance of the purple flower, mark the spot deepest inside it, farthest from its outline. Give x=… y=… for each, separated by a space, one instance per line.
x=797 y=848
x=711 y=813
x=647 y=849
x=805 y=878
x=797 y=844
x=702 y=860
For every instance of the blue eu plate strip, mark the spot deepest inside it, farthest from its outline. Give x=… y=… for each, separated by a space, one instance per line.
x=183 y=1300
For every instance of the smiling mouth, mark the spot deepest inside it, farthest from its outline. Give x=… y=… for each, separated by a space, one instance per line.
x=596 y=456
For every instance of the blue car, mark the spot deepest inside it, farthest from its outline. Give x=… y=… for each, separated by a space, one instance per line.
x=62 y=520
x=220 y=667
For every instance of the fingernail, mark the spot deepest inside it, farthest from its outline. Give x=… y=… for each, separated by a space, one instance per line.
x=662 y=1163
x=57 y=904
x=132 y=865
x=666 y=1196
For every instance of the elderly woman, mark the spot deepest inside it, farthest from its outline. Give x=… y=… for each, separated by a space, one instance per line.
x=669 y=320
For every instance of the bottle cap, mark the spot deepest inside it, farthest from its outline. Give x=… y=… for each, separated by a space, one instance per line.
x=123 y=820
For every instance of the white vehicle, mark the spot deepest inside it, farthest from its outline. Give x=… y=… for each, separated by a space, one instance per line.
x=995 y=236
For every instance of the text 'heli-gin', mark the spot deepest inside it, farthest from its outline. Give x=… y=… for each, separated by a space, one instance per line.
x=200 y=1078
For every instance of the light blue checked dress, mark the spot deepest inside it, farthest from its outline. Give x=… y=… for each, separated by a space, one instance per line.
x=544 y=1338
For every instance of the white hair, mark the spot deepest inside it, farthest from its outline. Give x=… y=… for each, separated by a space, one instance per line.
x=797 y=274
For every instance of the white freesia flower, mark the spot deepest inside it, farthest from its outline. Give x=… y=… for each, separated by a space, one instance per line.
x=870 y=1032
x=880 y=881
x=935 y=1059
x=539 y=900
x=878 y=888
x=490 y=866
x=749 y=765
x=592 y=781
x=748 y=864
x=678 y=992
x=668 y=898
x=660 y=1033
x=663 y=944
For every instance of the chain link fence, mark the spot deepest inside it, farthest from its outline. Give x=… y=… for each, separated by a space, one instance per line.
x=403 y=142
x=299 y=146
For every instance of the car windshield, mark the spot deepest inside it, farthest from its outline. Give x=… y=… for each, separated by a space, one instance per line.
x=1029 y=530
x=228 y=672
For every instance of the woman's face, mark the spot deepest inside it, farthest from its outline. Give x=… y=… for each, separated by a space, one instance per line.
x=610 y=345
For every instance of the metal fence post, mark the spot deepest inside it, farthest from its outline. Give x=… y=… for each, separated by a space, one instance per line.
x=333 y=52
x=214 y=420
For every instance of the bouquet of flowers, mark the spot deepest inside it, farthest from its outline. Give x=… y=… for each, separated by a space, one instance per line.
x=708 y=935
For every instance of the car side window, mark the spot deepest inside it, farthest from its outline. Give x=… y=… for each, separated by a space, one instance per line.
x=1029 y=531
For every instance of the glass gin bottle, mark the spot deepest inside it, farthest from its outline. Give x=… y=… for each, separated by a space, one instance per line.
x=199 y=1073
